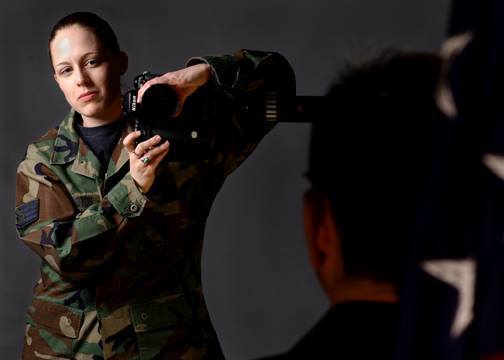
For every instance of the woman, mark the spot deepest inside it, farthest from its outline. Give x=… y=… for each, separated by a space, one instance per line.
x=120 y=232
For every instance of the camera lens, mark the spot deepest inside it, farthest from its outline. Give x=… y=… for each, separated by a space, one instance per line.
x=159 y=103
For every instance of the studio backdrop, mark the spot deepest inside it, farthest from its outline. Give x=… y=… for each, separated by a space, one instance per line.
x=260 y=290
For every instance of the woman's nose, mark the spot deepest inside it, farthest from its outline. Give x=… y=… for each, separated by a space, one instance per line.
x=81 y=78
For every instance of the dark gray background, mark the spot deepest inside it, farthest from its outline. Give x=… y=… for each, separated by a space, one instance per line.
x=259 y=288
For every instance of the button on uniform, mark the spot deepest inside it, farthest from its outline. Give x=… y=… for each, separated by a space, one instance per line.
x=133 y=208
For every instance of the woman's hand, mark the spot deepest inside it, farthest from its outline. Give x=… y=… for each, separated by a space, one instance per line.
x=144 y=158
x=184 y=81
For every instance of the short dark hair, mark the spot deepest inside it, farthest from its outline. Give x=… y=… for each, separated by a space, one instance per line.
x=371 y=154
x=100 y=28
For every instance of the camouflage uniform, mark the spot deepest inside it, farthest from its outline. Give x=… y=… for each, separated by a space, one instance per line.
x=121 y=271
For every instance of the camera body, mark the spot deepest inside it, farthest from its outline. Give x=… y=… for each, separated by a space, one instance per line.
x=189 y=134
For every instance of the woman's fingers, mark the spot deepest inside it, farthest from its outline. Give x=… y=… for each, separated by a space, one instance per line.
x=146 y=145
x=160 y=156
x=146 y=149
x=143 y=168
x=164 y=79
x=145 y=87
x=180 y=105
x=152 y=154
x=143 y=147
x=129 y=141
x=184 y=81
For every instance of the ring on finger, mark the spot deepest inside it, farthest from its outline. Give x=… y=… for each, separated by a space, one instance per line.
x=142 y=154
x=145 y=160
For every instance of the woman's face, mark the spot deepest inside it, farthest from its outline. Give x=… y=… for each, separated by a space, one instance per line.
x=88 y=74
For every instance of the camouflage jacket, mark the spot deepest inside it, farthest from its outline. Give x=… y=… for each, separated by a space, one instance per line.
x=121 y=271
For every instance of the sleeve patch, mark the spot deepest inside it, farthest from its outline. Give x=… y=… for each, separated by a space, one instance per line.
x=27 y=213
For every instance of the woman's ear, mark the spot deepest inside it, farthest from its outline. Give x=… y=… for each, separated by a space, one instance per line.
x=123 y=62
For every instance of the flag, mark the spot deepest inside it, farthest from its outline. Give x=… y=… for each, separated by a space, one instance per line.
x=452 y=301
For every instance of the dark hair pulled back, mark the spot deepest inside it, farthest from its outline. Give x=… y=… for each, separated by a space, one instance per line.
x=100 y=28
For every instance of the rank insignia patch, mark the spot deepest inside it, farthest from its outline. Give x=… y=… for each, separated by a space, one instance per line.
x=27 y=214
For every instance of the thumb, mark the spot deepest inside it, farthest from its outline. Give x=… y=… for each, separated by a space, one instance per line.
x=180 y=105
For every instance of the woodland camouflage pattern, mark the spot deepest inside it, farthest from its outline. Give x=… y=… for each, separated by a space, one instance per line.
x=121 y=271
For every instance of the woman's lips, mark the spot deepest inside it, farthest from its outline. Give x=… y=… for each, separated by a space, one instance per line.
x=88 y=96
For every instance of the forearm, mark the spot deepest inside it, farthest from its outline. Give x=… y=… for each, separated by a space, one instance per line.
x=257 y=85
x=73 y=242
x=246 y=70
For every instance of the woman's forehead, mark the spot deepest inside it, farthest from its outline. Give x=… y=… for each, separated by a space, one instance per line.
x=72 y=40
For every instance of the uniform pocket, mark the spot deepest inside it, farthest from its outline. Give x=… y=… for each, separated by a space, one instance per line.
x=50 y=330
x=163 y=326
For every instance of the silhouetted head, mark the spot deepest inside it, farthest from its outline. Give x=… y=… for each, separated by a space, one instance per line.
x=368 y=161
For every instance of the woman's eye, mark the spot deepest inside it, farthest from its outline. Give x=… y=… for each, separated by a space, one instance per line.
x=92 y=62
x=65 y=71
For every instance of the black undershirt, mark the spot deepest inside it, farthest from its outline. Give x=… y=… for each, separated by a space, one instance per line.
x=102 y=139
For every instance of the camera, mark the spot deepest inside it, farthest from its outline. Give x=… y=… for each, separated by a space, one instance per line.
x=189 y=134
x=192 y=133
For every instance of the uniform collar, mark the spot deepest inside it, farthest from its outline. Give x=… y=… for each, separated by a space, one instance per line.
x=120 y=155
x=66 y=145
x=70 y=148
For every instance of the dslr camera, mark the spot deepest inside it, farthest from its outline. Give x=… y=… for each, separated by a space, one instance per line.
x=189 y=133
